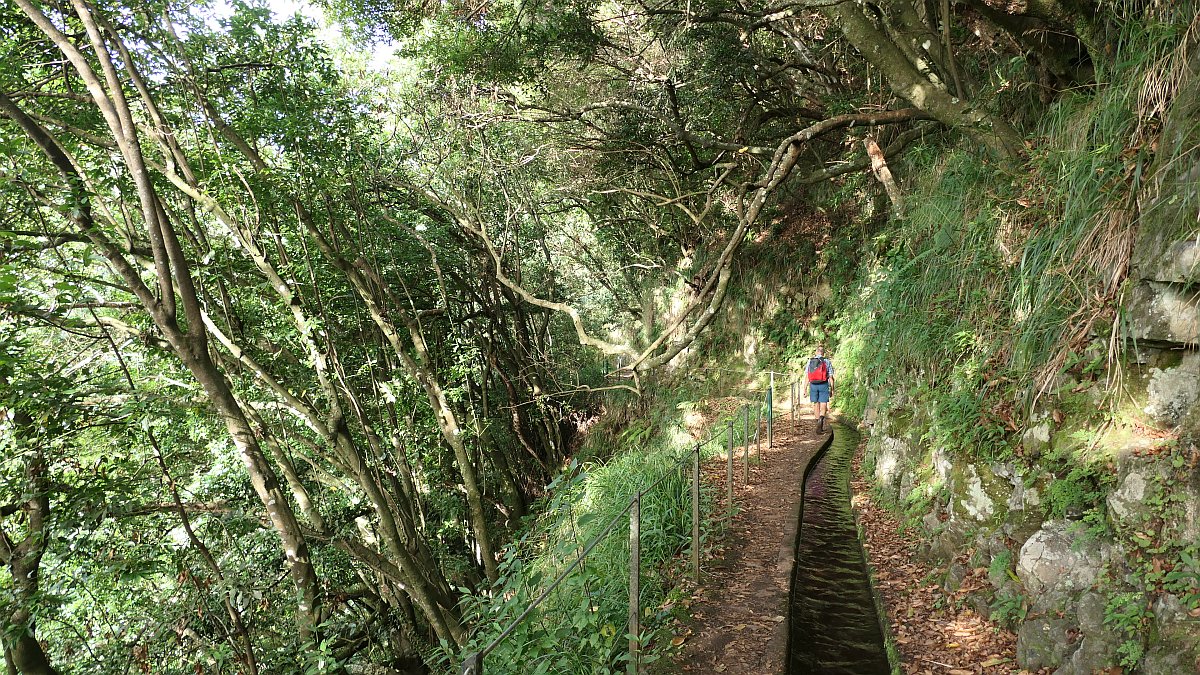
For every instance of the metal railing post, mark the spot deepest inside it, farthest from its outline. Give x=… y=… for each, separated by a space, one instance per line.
x=635 y=572
x=696 y=514
x=795 y=386
x=472 y=665
x=771 y=413
x=746 y=445
x=729 y=469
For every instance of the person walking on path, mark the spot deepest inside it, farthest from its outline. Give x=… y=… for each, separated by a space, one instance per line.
x=819 y=372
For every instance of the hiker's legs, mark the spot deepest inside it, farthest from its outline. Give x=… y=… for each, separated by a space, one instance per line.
x=819 y=395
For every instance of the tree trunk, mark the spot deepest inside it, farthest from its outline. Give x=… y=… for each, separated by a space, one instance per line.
x=22 y=649
x=907 y=82
x=172 y=275
x=266 y=486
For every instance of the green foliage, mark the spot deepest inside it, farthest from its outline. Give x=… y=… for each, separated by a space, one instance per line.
x=1129 y=614
x=1009 y=609
x=600 y=207
x=1183 y=577
x=1001 y=565
x=580 y=626
x=1074 y=493
x=980 y=294
x=1161 y=558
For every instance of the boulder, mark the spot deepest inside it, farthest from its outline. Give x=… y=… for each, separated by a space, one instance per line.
x=1044 y=641
x=931 y=524
x=1058 y=558
x=1173 y=392
x=1089 y=612
x=1164 y=660
x=1164 y=313
x=889 y=463
x=1125 y=504
x=948 y=541
x=1175 y=647
x=1148 y=487
x=1184 y=522
x=1094 y=655
x=1021 y=513
x=956 y=573
x=1098 y=647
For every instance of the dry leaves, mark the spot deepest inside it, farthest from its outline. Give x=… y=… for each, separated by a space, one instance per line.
x=934 y=631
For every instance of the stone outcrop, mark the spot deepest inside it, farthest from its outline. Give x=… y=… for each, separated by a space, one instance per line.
x=1107 y=584
x=1060 y=558
x=1067 y=570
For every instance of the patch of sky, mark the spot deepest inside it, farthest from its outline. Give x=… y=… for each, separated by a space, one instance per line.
x=378 y=57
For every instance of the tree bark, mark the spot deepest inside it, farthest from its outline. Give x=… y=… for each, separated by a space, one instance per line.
x=907 y=82
x=22 y=648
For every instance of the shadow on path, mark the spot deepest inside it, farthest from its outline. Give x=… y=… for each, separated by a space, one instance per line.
x=739 y=613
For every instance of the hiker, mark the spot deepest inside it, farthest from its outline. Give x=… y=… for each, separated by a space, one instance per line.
x=819 y=372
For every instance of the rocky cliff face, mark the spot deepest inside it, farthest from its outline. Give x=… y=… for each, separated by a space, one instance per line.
x=1088 y=588
x=1098 y=565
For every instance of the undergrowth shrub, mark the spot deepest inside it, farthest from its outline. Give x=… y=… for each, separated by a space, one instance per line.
x=581 y=625
x=992 y=284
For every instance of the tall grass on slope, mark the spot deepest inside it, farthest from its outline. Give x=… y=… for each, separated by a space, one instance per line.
x=1094 y=160
x=994 y=281
x=581 y=626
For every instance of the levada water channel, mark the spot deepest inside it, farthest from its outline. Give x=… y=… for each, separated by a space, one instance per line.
x=834 y=624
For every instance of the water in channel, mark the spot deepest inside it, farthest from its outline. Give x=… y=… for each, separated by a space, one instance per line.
x=834 y=624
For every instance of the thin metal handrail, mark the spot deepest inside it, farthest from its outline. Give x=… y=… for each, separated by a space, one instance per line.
x=473 y=664
x=563 y=575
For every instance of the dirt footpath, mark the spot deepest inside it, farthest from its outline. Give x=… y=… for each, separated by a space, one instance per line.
x=739 y=619
x=740 y=613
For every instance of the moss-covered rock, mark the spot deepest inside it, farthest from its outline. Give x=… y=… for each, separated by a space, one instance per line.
x=1164 y=251
x=1173 y=392
x=889 y=458
x=1044 y=640
x=1165 y=313
x=972 y=502
x=1060 y=558
x=1023 y=513
x=1174 y=646
x=1124 y=504
x=1036 y=439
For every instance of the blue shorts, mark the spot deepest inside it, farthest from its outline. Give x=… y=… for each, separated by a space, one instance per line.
x=818 y=393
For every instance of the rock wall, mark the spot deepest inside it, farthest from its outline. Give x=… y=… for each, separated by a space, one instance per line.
x=1080 y=589
x=1094 y=566
x=1116 y=581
